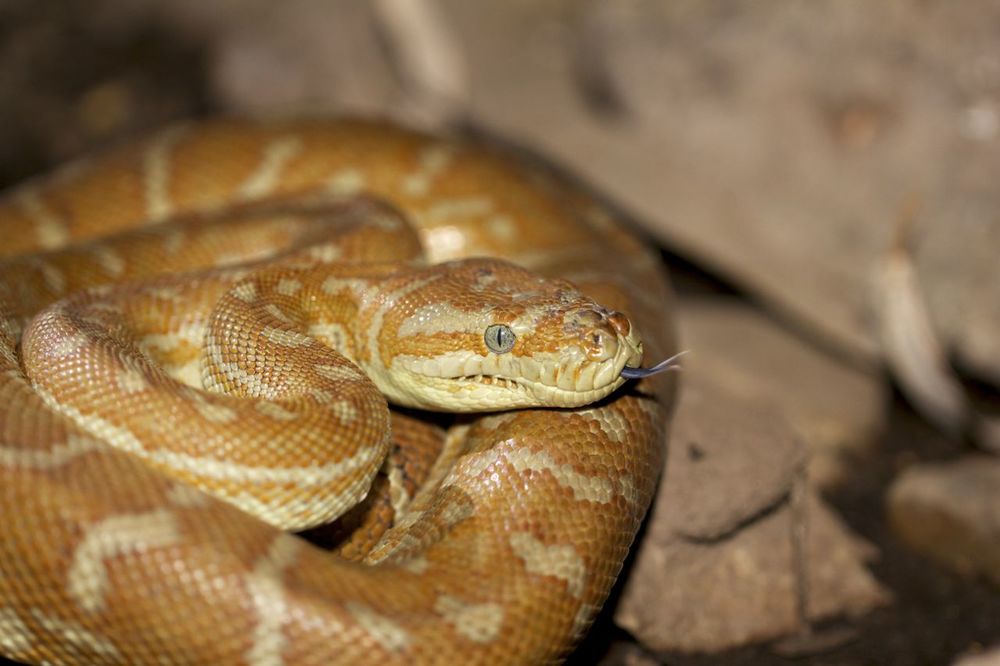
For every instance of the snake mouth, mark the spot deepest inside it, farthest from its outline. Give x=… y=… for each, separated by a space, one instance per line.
x=484 y=392
x=472 y=382
x=494 y=380
x=556 y=385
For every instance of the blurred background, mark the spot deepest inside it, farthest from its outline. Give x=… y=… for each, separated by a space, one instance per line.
x=822 y=179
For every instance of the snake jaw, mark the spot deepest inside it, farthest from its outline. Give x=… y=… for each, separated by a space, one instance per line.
x=473 y=382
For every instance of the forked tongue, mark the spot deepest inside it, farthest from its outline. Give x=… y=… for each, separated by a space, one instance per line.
x=672 y=363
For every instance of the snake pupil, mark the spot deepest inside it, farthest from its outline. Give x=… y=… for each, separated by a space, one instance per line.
x=499 y=338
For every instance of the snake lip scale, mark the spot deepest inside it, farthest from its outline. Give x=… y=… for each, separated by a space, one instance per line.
x=204 y=336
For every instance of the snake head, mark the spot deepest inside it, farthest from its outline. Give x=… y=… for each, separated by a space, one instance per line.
x=486 y=335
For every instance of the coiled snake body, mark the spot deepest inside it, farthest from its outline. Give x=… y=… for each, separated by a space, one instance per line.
x=190 y=329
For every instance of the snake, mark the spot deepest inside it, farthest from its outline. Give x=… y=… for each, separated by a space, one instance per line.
x=320 y=391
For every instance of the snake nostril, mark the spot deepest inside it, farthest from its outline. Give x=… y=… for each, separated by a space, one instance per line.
x=620 y=323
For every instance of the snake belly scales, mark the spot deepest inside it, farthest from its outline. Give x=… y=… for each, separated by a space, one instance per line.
x=190 y=329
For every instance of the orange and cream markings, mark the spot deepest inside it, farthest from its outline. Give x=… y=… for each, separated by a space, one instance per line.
x=51 y=276
x=371 y=352
x=266 y=177
x=109 y=260
x=339 y=373
x=50 y=458
x=267 y=595
x=52 y=233
x=288 y=287
x=174 y=241
x=390 y=635
x=346 y=182
x=17 y=638
x=132 y=380
x=156 y=165
x=559 y=561
x=480 y=623
x=213 y=412
x=434 y=319
x=457 y=209
x=433 y=161
x=584 y=487
x=15 y=635
x=88 y=578
x=262 y=386
x=185 y=497
x=275 y=411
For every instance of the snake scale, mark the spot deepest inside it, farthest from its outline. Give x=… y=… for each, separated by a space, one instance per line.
x=196 y=331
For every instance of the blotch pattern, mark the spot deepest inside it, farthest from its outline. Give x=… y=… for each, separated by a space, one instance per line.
x=88 y=580
x=125 y=478
x=559 y=561
x=479 y=623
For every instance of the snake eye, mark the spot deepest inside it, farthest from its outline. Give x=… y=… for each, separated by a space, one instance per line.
x=499 y=338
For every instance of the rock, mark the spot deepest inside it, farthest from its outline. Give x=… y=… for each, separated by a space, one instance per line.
x=719 y=565
x=838 y=410
x=781 y=162
x=307 y=55
x=122 y=82
x=730 y=460
x=988 y=658
x=951 y=512
x=706 y=597
x=627 y=654
x=959 y=250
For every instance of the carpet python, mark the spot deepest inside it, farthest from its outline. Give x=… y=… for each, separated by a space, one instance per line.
x=198 y=335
